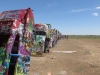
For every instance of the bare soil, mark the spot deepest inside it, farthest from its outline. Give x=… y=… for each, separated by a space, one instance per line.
x=85 y=61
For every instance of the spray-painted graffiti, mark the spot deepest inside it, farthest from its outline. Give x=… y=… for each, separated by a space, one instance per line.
x=4 y=60
x=10 y=43
x=19 y=43
x=2 y=56
x=23 y=65
x=23 y=50
x=14 y=14
x=5 y=27
x=40 y=27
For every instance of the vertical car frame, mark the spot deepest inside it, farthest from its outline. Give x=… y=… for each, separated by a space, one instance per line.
x=18 y=47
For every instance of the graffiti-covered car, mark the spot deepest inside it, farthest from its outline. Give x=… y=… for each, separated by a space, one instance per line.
x=42 y=34
x=16 y=27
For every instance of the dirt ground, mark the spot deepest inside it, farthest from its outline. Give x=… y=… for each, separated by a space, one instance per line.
x=85 y=61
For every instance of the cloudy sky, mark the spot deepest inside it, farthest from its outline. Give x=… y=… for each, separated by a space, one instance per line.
x=68 y=16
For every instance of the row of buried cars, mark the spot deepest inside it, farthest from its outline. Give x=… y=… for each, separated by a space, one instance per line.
x=21 y=38
x=45 y=38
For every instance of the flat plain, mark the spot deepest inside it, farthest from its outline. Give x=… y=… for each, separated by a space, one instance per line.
x=75 y=56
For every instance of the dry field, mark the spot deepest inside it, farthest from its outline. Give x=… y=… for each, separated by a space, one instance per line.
x=85 y=61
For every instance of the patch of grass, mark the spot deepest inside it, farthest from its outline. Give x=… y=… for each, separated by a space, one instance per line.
x=83 y=37
x=37 y=55
x=79 y=69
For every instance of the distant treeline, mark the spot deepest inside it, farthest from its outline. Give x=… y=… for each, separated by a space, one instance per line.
x=84 y=36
